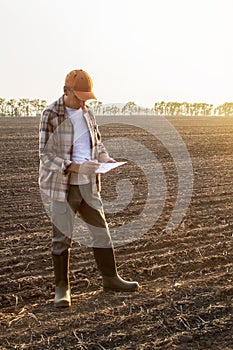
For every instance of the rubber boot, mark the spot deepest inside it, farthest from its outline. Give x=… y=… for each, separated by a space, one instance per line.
x=105 y=261
x=62 y=285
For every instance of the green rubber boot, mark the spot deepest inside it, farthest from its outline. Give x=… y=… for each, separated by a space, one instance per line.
x=62 y=285
x=105 y=261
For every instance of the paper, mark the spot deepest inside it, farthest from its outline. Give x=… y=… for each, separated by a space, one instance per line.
x=105 y=167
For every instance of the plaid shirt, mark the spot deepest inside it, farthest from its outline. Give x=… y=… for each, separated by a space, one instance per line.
x=56 y=147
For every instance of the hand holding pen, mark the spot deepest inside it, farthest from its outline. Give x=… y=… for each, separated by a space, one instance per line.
x=86 y=168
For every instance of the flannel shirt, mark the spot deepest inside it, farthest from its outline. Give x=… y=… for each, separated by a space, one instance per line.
x=55 y=149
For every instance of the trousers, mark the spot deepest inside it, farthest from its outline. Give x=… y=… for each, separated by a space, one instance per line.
x=82 y=207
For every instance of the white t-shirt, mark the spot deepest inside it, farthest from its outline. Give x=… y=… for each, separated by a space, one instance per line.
x=81 y=145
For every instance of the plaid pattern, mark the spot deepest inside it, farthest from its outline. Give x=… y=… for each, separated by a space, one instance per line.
x=56 y=146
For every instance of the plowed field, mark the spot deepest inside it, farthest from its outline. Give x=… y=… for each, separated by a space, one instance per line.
x=186 y=277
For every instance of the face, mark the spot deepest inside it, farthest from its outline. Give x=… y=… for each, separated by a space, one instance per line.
x=71 y=100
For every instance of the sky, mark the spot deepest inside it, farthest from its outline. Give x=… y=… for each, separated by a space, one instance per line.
x=135 y=50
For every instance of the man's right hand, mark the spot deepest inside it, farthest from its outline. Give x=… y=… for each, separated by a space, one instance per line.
x=87 y=168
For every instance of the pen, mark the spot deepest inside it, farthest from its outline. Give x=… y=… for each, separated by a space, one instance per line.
x=93 y=160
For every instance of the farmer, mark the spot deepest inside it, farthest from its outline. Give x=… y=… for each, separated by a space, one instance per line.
x=71 y=151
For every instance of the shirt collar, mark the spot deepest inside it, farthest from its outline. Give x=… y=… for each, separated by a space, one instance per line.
x=60 y=107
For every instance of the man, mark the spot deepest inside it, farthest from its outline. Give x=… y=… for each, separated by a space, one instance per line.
x=70 y=154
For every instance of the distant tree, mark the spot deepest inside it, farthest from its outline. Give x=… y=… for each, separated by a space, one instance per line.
x=224 y=110
x=11 y=107
x=108 y=109
x=218 y=111
x=2 y=106
x=25 y=107
x=208 y=109
x=156 y=107
x=129 y=108
x=37 y=106
x=162 y=108
x=115 y=110
x=92 y=104
x=96 y=106
x=43 y=104
x=99 y=107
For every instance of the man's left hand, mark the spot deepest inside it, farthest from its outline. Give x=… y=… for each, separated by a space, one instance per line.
x=104 y=158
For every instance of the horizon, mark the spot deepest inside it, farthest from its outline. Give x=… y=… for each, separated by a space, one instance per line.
x=122 y=104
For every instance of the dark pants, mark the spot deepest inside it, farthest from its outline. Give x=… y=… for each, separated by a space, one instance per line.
x=67 y=226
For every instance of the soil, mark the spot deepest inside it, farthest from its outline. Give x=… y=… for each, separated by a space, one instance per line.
x=185 y=296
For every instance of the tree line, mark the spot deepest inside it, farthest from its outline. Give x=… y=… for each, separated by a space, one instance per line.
x=166 y=109
x=193 y=109
x=25 y=107
x=119 y=109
